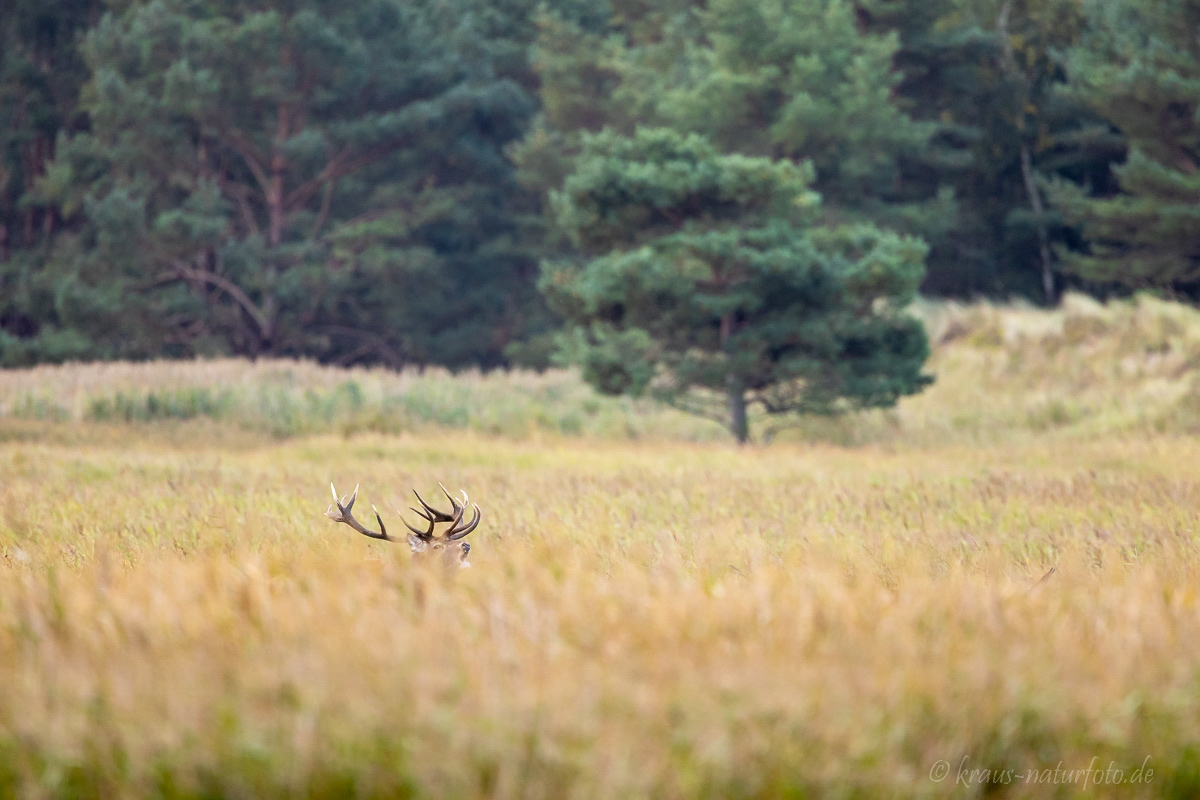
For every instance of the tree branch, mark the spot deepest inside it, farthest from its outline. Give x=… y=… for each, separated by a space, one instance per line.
x=372 y=342
x=249 y=153
x=681 y=402
x=323 y=215
x=341 y=165
x=333 y=170
x=187 y=272
x=237 y=193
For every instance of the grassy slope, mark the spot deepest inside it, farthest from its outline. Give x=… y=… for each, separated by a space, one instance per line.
x=1083 y=370
x=644 y=618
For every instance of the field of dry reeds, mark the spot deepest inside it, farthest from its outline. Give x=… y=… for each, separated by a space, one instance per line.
x=864 y=607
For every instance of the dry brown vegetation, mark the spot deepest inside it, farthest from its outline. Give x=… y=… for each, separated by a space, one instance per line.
x=645 y=617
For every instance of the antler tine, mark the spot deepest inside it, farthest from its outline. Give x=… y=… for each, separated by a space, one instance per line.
x=343 y=514
x=383 y=534
x=433 y=514
x=458 y=515
x=454 y=504
x=426 y=535
x=455 y=533
x=347 y=500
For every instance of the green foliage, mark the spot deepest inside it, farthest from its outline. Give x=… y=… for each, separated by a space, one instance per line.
x=183 y=404
x=626 y=191
x=708 y=280
x=371 y=181
x=987 y=74
x=296 y=177
x=41 y=72
x=1139 y=67
x=286 y=399
x=792 y=79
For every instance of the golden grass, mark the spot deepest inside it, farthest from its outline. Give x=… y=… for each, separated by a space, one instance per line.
x=1082 y=370
x=1003 y=372
x=641 y=621
x=643 y=618
x=284 y=397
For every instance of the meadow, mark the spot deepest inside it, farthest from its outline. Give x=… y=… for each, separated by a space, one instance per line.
x=993 y=589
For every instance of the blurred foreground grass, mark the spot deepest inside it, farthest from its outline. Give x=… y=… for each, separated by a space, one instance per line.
x=644 y=618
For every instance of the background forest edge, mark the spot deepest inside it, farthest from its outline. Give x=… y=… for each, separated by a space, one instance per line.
x=109 y=250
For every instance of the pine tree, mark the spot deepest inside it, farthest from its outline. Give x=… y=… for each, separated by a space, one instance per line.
x=706 y=283
x=301 y=177
x=41 y=71
x=1139 y=67
x=792 y=79
x=987 y=74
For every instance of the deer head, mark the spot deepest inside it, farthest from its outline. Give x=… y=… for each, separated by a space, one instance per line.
x=421 y=542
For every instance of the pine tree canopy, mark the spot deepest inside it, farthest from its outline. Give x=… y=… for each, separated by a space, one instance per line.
x=1138 y=66
x=710 y=287
x=380 y=181
x=296 y=177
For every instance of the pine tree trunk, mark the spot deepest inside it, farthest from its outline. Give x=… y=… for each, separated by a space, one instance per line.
x=736 y=394
x=735 y=389
x=276 y=218
x=1012 y=68
x=1035 y=203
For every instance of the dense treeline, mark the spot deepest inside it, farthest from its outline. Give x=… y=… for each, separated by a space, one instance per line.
x=382 y=181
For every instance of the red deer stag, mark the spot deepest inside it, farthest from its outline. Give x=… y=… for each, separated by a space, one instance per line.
x=421 y=541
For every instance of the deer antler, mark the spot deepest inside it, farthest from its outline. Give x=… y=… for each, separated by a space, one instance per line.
x=342 y=514
x=422 y=540
x=457 y=529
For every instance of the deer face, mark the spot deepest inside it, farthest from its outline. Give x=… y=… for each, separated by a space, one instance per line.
x=452 y=554
x=423 y=543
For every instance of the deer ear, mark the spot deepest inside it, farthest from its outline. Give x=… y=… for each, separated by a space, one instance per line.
x=417 y=544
